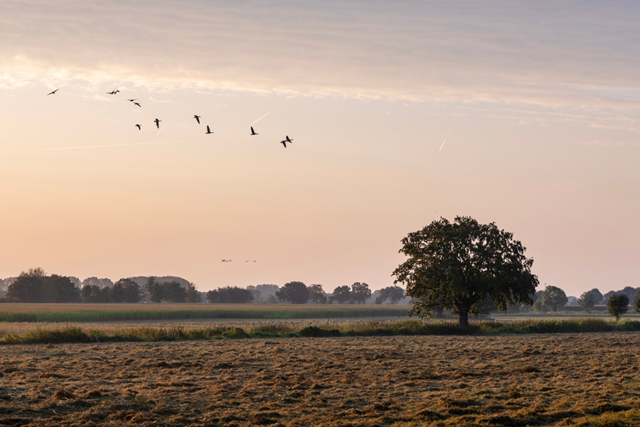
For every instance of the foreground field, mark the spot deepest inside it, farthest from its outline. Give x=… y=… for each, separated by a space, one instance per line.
x=581 y=379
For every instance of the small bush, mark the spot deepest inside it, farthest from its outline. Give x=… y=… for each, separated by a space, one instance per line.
x=235 y=333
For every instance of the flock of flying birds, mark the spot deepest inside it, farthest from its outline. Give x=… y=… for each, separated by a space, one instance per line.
x=157 y=121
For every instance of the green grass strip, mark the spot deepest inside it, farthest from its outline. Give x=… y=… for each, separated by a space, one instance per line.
x=141 y=315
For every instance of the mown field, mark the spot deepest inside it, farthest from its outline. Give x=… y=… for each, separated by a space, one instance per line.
x=152 y=312
x=513 y=380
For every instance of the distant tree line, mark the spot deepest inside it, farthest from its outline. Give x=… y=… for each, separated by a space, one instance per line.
x=299 y=293
x=35 y=286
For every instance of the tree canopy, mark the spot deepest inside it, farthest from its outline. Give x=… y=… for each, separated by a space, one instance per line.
x=617 y=305
x=457 y=265
x=293 y=292
x=587 y=300
x=230 y=295
x=554 y=298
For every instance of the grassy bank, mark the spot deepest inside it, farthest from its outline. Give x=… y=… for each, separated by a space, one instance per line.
x=371 y=328
x=143 y=312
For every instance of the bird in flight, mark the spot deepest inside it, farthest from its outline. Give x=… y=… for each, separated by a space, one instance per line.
x=197 y=117
x=157 y=123
x=113 y=92
x=284 y=143
x=135 y=103
x=53 y=93
x=132 y=100
x=289 y=140
x=139 y=127
x=252 y=131
x=208 y=130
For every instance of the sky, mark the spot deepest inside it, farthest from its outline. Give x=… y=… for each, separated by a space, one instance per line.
x=526 y=114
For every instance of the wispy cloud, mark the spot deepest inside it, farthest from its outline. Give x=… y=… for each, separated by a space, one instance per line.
x=546 y=53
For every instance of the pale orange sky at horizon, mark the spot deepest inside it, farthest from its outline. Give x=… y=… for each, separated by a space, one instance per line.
x=542 y=103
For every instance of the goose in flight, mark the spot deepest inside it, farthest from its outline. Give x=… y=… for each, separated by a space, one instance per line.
x=53 y=93
x=289 y=140
x=139 y=127
x=157 y=123
x=284 y=143
x=197 y=117
x=132 y=100
x=113 y=92
x=135 y=103
x=252 y=131
x=208 y=130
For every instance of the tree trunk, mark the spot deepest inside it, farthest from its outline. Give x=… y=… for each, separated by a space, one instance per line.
x=463 y=318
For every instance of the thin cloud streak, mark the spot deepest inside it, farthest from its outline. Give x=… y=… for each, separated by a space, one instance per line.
x=261 y=118
x=445 y=138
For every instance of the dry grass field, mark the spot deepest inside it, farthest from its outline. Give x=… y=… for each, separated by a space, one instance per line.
x=513 y=380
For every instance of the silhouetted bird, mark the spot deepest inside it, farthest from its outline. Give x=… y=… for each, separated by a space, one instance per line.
x=132 y=100
x=113 y=92
x=197 y=118
x=289 y=140
x=157 y=123
x=284 y=143
x=139 y=128
x=135 y=103
x=53 y=93
x=252 y=131
x=208 y=130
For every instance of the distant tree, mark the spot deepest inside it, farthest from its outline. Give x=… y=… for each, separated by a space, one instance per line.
x=316 y=295
x=538 y=307
x=126 y=290
x=456 y=265
x=598 y=295
x=262 y=293
x=341 y=295
x=636 y=295
x=628 y=291
x=606 y=296
x=636 y=304
x=587 y=300
x=155 y=290
x=60 y=289
x=172 y=291
x=392 y=293
x=360 y=293
x=293 y=292
x=101 y=283
x=28 y=286
x=193 y=296
x=93 y=294
x=617 y=305
x=230 y=295
x=554 y=298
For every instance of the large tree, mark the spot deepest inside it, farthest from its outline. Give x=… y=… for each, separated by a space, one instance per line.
x=456 y=265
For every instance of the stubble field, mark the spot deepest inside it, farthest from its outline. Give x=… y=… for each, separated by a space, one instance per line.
x=567 y=379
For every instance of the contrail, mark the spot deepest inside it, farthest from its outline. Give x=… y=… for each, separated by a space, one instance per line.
x=105 y=146
x=445 y=138
x=262 y=117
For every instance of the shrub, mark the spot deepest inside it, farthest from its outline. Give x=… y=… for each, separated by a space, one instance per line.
x=235 y=333
x=618 y=305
